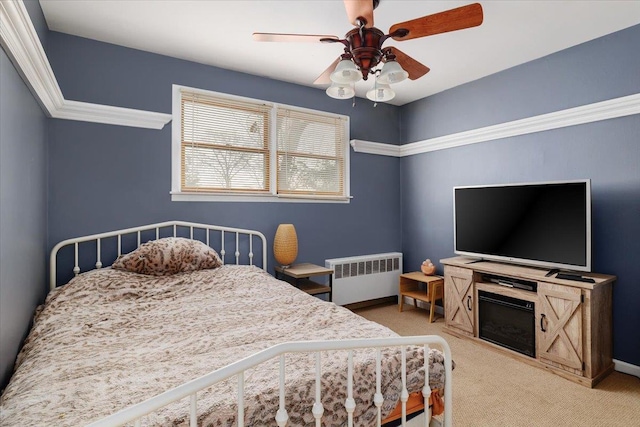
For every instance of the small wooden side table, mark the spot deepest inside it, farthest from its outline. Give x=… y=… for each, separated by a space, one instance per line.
x=410 y=287
x=301 y=274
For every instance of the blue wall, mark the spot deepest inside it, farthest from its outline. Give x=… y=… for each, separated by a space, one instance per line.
x=23 y=212
x=107 y=177
x=607 y=152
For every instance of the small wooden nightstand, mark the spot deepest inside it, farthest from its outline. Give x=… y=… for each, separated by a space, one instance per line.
x=301 y=274
x=410 y=287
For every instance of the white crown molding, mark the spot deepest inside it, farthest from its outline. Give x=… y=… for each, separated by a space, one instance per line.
x=20 y=41
x=379 y=148
x=612 y=108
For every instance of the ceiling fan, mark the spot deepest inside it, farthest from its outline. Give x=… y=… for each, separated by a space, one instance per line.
x=363 y=49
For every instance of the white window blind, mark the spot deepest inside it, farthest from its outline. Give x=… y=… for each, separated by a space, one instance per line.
x=233 y=148
x=311 y=153
x=225 y=145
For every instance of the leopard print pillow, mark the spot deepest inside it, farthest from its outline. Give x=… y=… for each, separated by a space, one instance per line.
x=168 y=256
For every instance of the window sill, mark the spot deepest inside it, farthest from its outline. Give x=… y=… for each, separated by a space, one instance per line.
x=201 y=197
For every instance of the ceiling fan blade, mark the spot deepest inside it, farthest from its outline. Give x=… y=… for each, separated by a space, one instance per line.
x=410 y=65
x=359 y=8
x=304 y=38
x=443 y=22
x=325 y=77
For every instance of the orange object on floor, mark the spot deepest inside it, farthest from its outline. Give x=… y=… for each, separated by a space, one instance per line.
x=416 y=404
x=436 y=403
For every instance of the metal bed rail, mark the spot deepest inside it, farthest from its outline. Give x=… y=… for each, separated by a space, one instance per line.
x=190 y=389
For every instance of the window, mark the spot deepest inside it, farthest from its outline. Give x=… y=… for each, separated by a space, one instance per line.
x=310 y=153
x=224 y=145
x=238 y=149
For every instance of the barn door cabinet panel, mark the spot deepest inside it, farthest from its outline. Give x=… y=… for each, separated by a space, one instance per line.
x=560 y=327
x=459 y=300
x=573 y=320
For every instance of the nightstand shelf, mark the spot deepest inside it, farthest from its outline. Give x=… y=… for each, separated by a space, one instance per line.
x=410 y=287
x=313 y=288
x=301 y=273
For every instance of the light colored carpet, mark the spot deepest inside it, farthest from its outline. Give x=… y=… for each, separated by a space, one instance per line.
x=491 y=389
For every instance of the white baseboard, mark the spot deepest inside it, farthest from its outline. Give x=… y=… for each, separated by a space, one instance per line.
x=425 y=305
x=626 y=368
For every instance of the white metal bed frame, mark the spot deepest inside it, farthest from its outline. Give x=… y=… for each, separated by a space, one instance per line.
x=173 y=227
x=190 y=389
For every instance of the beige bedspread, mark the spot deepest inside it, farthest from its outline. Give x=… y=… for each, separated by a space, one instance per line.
x=110 y=339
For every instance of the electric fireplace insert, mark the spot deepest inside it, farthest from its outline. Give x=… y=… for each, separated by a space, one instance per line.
x=508 y=322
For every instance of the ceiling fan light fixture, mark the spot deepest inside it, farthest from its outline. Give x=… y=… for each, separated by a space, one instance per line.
x=381 y=93
x=346 y=72
x=341 y=90
x=392 y=73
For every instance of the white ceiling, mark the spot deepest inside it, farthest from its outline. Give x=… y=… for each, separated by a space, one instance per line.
x=218 y=33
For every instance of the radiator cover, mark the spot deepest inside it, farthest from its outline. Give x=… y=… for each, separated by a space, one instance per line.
x=365 y=277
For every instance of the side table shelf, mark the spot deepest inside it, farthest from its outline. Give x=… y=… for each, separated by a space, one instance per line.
x=410 y=287
x=313 y=288
x=301 y=273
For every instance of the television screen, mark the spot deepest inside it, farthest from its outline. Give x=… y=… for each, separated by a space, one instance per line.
x=542 y=224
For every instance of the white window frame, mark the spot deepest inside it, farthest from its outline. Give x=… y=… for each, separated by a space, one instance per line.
x=176 y=161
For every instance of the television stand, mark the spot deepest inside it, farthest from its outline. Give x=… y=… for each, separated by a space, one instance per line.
x=572 y=329
x=477 y=260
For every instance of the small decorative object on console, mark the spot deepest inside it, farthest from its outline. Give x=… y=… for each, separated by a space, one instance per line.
x=427 y=267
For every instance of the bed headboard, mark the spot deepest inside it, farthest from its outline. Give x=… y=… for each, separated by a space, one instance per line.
x=235 y=242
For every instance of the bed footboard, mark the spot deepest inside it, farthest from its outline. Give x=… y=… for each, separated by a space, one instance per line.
x=190 y=389
x=236 y=242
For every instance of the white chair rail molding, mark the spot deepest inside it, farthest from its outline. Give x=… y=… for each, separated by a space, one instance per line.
x=610 y=109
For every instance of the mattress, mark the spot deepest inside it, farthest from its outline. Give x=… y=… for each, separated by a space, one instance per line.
x=109 y=339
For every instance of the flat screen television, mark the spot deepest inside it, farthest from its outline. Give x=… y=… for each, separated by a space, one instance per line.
x=544 y=224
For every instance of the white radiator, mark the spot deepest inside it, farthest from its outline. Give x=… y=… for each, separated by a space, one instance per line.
x=366 y=277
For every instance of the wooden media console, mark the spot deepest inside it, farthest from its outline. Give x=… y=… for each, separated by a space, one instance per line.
x=572 y=326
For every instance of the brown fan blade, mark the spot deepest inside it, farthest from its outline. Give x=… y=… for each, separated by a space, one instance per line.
x=443 y=22
x=325 y=77
x=304 y=38
x=359 y=9
x=410 y=65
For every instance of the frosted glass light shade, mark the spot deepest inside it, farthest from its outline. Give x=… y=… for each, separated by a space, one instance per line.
x=285 y=244
x=381 y=93
x=346 y=72
x=391 y=73
x=341 y=90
